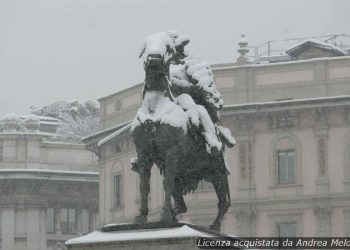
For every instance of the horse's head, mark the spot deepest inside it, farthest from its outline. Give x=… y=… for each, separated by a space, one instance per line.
x=157 y=53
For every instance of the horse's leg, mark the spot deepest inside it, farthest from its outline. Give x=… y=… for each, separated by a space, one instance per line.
x=220 y=184
x=179 y=206
x=145 y=174
x=171 y=164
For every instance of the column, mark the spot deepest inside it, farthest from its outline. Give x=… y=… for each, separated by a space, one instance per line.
x=79 y=221
x=321 y=135
x=92 y=220
x=43 y=230
x=33 y=229
x=245 y=139
x=8 y=227
x=323 y=217
x=246 y=222
x=58 y=220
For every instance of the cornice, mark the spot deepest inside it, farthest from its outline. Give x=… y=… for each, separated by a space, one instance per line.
x=39 y=174
x=301 y=104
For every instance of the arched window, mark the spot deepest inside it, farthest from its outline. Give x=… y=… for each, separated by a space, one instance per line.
x=286 y=160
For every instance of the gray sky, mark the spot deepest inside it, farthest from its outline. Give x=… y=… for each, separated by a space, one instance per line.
x=54 y=50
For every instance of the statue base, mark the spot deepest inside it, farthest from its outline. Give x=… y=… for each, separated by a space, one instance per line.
x=154 y=235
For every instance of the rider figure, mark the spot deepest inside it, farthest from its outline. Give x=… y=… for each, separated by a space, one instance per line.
x=195 y=99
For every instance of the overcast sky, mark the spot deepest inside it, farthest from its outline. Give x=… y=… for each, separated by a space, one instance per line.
x=54 y=50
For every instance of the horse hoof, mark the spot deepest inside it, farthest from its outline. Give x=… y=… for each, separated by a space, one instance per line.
x=169 y=217
x=215 y=227
x=140 y=219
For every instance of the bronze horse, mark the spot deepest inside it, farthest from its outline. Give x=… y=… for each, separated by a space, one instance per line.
x=163 y=135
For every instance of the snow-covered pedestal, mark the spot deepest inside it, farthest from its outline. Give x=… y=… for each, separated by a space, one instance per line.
x=149 y=236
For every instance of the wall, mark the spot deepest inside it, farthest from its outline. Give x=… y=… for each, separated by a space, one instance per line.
x=319 y=77
x=34 y=151
x=36 y=174
x=262 y=111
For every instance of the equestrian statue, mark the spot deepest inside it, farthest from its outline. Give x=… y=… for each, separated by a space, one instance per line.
x=176 y=127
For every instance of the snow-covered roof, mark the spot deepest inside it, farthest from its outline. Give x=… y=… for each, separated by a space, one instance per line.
x=99 y=135
x=218 y=64
x=265 y=65
x=338 y=51
x=27 y=133
x=141 y=234
x=42 y=117
x=42 y=120
x=120 y=131
x=273 y=59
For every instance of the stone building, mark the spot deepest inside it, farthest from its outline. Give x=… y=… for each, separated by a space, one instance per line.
x=290 y=170
x=48 y=188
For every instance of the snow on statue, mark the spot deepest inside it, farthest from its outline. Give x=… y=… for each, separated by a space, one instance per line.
x=192 y=82
x=176 y=127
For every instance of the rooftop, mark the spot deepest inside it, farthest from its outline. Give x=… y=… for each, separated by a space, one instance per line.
x=276 y=49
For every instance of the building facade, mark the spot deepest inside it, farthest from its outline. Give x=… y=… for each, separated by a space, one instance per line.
x=48 y=188
x=290 y=169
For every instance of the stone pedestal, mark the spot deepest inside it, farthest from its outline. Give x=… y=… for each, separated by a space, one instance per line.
x=149 y=236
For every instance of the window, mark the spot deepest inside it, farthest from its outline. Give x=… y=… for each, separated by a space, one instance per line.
x=286 y=224
x=286 y=161
x=286 y=169
x=286 y=229
x=205 y=185
x=117 y=105
x=117 y=190
x=50 y=220
x=68 y=220
x=116 y=148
